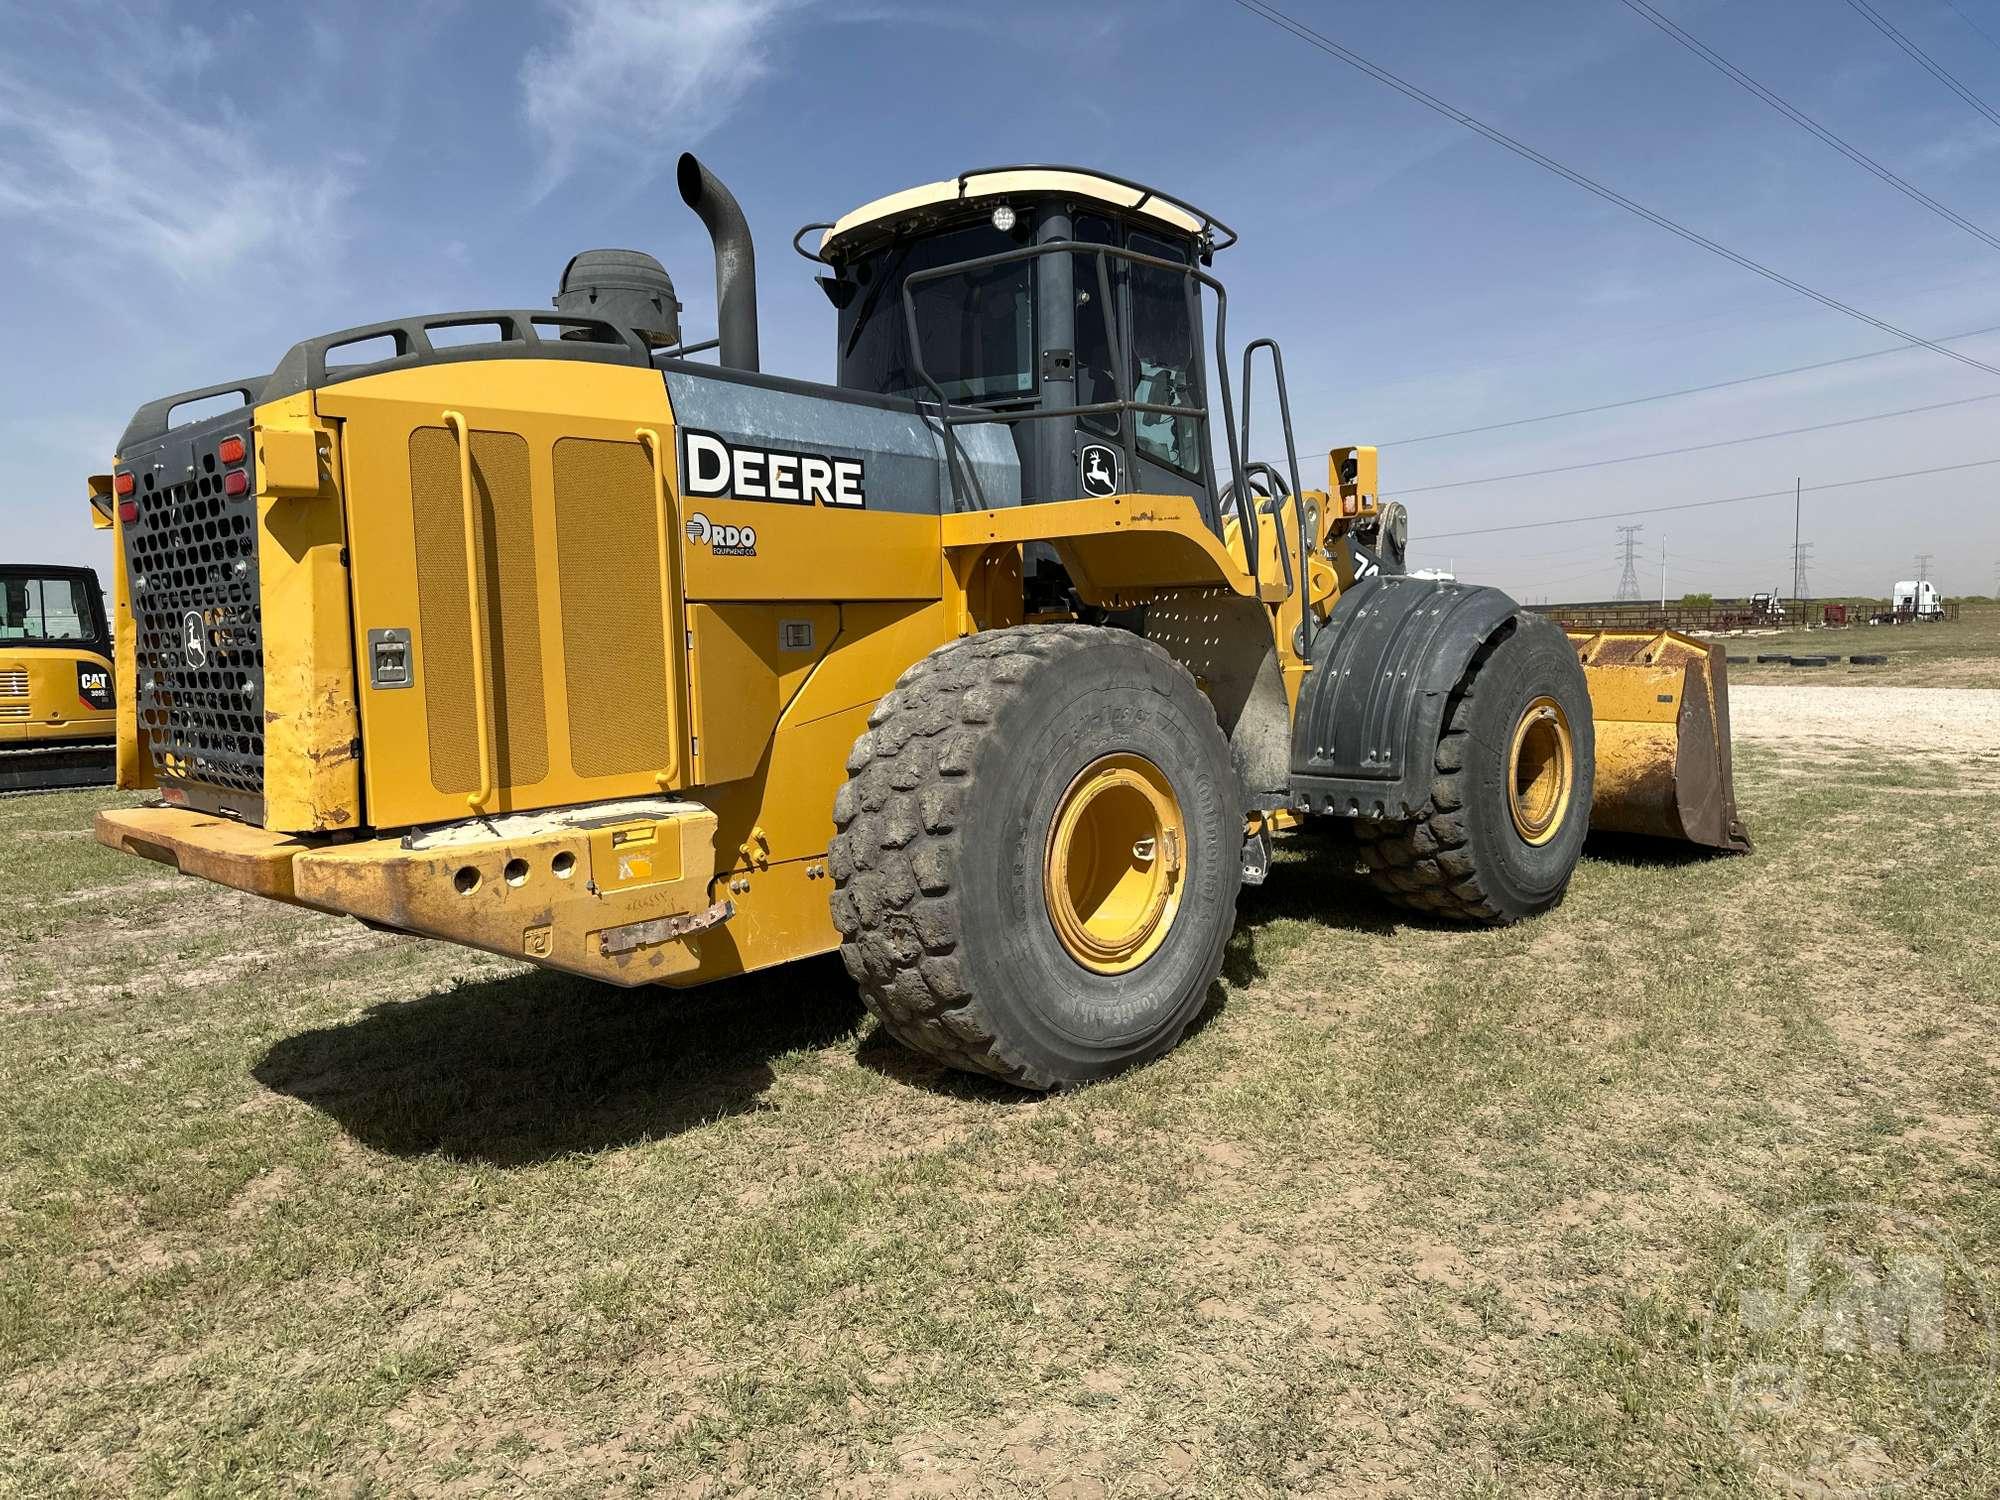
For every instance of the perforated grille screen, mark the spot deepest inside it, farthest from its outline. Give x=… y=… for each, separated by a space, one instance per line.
x=506 y=560
x=192 y=558
x=614 y=664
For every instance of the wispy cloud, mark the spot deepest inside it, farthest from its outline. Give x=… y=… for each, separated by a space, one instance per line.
x=628 y=78
x=128 y=174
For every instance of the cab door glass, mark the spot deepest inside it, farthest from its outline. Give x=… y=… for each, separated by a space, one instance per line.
x=1095 y=379
x=1163 y=337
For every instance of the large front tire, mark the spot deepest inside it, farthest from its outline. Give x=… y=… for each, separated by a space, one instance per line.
x=1037 y=854
x=1510 y=792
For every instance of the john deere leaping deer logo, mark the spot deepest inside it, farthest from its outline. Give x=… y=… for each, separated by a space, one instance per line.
x=1098 y=467
x=194 y=639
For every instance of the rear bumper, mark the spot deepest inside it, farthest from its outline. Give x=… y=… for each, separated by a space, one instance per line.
x=217 y=849
x=616 y=892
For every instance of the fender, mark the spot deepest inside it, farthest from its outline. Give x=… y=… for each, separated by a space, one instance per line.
x=1371 y=708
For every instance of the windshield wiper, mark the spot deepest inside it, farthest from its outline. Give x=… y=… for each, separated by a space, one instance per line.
x=867 y=308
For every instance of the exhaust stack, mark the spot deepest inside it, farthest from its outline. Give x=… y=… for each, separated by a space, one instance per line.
x=735 y=261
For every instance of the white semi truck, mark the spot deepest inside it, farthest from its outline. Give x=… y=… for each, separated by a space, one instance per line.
x=1917 y=599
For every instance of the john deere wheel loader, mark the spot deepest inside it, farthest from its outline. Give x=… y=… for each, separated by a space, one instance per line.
x=530 y=631
x=56 y=722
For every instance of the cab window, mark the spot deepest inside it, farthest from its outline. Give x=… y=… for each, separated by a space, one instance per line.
x=44 y=609
x=1164 y=356
x=977 y=328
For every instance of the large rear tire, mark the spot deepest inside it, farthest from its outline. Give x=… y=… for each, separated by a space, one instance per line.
x=1037 y=854
x=1510 y=792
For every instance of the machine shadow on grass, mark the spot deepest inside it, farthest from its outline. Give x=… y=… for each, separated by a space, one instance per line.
x=517 y=1070
x=1312 y=879
x=514 y=1071
x=1634 y=851
x=1316 y=879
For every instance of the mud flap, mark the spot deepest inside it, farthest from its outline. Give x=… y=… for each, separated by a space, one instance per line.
x=1660 y=701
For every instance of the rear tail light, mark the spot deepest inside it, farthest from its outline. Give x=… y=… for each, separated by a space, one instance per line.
x=125 y=483
x=235 y=482
x=230 y=451
x=128 y=511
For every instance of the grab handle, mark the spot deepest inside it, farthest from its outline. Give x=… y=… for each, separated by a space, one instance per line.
x=663 y=509
x=476 y=800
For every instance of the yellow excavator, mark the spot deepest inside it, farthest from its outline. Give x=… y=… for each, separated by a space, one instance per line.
x=56 y=711
x=531 y=630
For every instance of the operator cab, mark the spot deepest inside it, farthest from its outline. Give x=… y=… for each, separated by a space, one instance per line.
x=1064 y=302
x=52 y=606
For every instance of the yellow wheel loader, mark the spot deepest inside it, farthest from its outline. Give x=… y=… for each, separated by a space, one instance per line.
x=56 y=719
x=531 y=630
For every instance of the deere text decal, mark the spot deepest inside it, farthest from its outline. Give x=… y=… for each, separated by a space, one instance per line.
x=711 y=466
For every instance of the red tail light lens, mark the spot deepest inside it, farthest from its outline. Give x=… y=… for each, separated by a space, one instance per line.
x=230 y=451
x=128 y=511
x=126 y=483
x=235 y=482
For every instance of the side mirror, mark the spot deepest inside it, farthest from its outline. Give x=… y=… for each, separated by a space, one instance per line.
x=101 y=513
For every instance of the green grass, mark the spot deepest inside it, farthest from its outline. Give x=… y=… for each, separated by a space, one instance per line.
x=287 y=1206
x=1961 y=653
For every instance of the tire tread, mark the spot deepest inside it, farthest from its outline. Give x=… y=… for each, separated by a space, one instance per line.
x=898 y=823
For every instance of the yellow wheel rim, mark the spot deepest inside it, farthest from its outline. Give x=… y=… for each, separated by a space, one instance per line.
x=1112 y=871
x=1541 y=770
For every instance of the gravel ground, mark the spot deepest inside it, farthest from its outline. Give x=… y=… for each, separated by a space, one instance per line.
x=1924 y=721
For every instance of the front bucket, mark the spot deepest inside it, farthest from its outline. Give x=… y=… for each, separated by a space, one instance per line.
x=1661 y=705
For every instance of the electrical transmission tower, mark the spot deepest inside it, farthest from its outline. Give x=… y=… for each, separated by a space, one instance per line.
x=1628 y=541
x=1923 y=566
x=1801 y=556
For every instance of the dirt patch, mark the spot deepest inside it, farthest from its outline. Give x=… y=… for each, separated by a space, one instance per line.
x=1953 y=722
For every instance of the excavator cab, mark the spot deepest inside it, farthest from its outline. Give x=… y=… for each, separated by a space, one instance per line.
x=57 y=719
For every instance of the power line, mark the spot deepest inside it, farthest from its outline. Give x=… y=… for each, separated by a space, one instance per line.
x=1853 y=153
x=1755 y=437
x=1311 y=38
x=1974 y=25
x=1692 y=390
x=1654 y=510
x=1874 y=17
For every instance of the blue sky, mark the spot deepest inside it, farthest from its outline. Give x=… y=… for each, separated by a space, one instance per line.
x=186 y=190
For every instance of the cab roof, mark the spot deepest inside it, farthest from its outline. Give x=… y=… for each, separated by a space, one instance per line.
x=989 y=183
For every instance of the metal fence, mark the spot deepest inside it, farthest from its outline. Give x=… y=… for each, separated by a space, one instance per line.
x=1730 y=614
